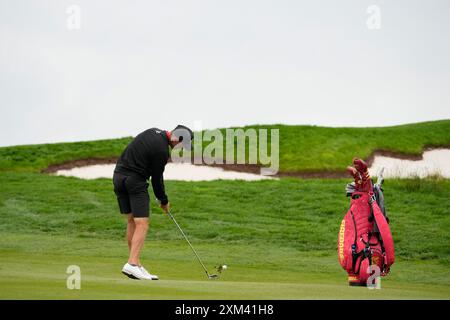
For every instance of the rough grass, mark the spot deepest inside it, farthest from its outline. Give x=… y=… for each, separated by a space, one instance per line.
x=311 y=148
x=302 y=214
x=34 y=158
x=302 y=148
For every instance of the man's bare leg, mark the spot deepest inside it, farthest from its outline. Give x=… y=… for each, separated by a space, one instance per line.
x=137 y=240
x=131 y=226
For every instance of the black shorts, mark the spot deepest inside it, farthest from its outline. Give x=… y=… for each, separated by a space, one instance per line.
x=132 y=195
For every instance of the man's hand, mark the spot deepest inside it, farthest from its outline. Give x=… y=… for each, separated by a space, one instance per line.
x=165 y=207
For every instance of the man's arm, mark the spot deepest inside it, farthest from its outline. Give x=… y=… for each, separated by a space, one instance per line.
x=158 y=164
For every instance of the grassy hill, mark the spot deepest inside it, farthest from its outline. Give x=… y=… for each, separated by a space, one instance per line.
x=302 y=214
x=278 y=237
x=302 y=148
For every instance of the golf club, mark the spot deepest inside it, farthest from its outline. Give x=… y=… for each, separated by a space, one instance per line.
x=380 y=177
x=210 y=276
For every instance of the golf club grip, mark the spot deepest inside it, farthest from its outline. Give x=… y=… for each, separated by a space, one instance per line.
x=187 y=240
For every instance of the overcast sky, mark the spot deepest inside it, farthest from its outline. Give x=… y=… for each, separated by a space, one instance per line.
x=138 y=64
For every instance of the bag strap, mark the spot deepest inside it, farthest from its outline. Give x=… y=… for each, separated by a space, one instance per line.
x=387 y=243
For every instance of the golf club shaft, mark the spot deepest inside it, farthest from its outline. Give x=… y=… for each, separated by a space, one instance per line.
x=185 y=237
x=380 y=177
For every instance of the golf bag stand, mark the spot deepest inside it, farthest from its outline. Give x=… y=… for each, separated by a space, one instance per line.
x=365 y=244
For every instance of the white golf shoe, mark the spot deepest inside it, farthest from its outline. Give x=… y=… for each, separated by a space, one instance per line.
x=152 y=276
x=137 y=272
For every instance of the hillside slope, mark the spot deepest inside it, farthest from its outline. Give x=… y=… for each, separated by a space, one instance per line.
x=302 y=148
x=302 y=214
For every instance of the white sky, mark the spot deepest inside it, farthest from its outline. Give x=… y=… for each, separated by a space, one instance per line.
x=139 y=64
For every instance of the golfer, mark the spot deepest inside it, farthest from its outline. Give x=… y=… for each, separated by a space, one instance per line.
x=145 y=157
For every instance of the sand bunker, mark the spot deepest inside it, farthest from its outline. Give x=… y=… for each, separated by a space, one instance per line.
x=173 y=171
x=433 y=163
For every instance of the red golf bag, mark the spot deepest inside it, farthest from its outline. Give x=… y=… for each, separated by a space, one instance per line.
x=365 y=244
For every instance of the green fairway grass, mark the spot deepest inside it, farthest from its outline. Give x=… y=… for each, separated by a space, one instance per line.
x=278 y=238
x=302 y=148
x=41 y=274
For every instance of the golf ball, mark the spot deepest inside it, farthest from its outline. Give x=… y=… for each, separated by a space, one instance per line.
x=224 y=267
